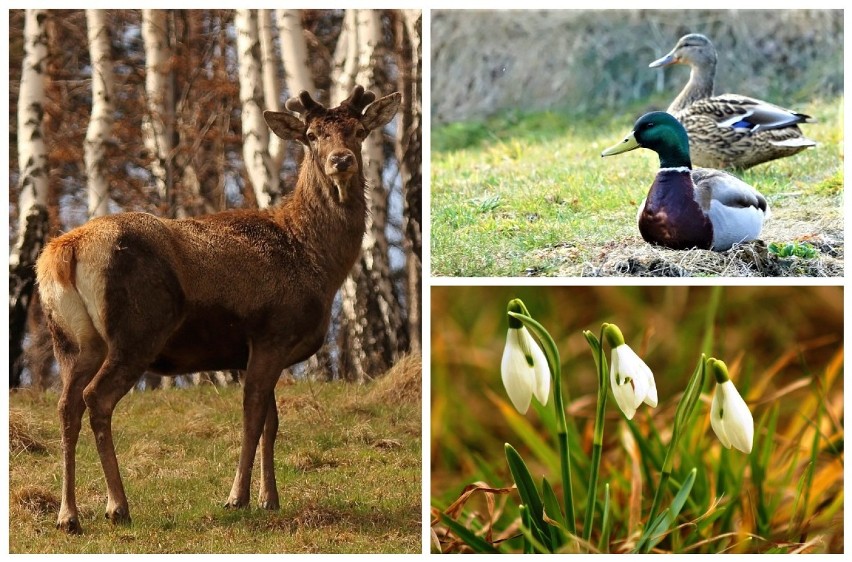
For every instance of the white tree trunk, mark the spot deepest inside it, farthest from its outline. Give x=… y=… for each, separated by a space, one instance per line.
x=271 y=84
x=102 y=113
x=158 y=125
x=375 y=243
x=370 y=312
x=369 y=33
x=345 y=58
x=33 y=181
x=294 y=52
x=297 y=71
x=32 y=154
x=409 y=150
x=259 y=166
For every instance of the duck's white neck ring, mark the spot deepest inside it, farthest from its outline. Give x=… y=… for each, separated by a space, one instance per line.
x=677 y=169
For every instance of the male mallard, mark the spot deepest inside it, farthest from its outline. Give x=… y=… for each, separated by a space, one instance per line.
x=686 y=208
x=729 y=130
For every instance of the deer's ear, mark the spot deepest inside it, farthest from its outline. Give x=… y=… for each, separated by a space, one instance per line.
x=381 y=111
x=286 y=125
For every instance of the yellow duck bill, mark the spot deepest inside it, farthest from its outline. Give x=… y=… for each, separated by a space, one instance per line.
x=629 y=143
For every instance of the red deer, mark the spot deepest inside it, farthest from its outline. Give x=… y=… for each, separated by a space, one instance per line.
x=240 y=289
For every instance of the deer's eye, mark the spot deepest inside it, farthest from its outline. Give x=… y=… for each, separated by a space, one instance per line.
x=361 y=132
x=312 y=137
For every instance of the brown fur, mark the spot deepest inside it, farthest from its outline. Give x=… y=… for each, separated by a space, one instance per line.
x=60 y=262
x=242 y=289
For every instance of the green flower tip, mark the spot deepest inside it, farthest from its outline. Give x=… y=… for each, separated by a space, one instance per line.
x=516 y=306
x=719 y=370
x=612 y=335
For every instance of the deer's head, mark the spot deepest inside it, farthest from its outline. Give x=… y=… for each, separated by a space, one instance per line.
x=334 y=136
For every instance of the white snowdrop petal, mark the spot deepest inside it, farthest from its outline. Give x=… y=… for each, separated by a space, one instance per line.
x=651 y=398
x=623 y=392
x=516 y=373
x=716 y=422
x=541 y=371
x=635 y=380
x=739 y=424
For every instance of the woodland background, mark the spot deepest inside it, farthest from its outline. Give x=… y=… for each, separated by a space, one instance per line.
x=160 y=111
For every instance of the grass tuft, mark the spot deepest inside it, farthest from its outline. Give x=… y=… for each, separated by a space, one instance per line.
x=22 y=438
x=37 y=501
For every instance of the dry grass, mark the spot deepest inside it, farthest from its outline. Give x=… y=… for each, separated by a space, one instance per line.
x=403 y=383
x=22 y=434
x=822 y=229
x=348 y=465
x=486 y=62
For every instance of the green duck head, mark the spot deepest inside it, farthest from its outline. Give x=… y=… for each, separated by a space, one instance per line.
x=661 y=132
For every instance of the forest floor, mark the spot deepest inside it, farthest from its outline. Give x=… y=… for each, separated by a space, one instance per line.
x=529 y=195
x=348 y=465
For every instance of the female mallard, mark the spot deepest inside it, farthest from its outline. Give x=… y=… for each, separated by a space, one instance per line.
x=687 y=208
x=729 y=130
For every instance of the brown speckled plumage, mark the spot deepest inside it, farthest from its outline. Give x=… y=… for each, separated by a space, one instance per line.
x=728 y=130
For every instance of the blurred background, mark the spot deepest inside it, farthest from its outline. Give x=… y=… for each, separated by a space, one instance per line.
x=783 y=345
x=486 y=62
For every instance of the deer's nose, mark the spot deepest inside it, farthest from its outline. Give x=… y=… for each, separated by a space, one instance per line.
x=341 y=161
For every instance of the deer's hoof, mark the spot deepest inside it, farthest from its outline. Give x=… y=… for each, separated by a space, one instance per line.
x=118 y=516
x=270 y=504
x=236 y=503
x=69 y=525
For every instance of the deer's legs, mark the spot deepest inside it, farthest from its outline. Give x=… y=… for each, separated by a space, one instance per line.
x=258 y=396
x=76 y=371
x=113 y=381
x=268 y=490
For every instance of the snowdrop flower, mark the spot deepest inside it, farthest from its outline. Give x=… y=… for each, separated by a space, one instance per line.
x=524 y=366
x=631 y=380
x=730 y=417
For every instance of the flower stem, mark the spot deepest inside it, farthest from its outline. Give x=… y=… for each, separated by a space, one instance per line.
x=664 y=480
x=684 y=411
x=597 y=442
x=552 y=354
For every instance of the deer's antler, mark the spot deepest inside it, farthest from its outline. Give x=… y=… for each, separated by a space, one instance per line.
x=303 y=103
x=359 y=99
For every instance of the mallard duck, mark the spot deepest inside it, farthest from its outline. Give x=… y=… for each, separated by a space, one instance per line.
x=686 y=208
x=729 y=130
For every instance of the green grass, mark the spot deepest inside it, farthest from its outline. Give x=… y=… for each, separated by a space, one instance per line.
x=529 y=194
x=347 y=463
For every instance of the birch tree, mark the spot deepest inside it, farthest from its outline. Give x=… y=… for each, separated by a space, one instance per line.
x=259 y=167
x=345 y=58
x=409 y=155
x=158 y=125
x=294 y=52
x=33 y=182
x=294 y=56
x=102 y=113
x=271 y=84
x=382 y=316
x=371 y=320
